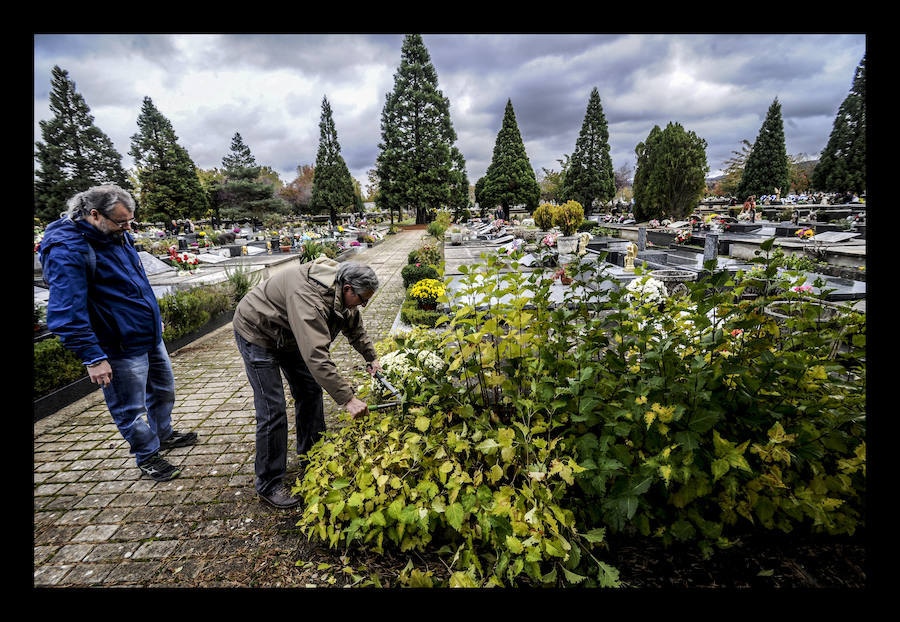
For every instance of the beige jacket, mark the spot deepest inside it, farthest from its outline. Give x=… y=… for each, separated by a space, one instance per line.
x=303 y=308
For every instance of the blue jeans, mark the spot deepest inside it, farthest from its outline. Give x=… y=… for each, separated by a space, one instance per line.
x=142 y=385
x=264 y=368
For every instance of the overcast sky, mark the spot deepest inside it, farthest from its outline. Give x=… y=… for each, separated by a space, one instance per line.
x=269 y=88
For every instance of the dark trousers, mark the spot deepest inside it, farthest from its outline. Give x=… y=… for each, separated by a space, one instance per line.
x=264 y=368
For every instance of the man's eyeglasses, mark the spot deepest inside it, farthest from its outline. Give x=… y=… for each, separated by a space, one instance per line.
x=121 y=224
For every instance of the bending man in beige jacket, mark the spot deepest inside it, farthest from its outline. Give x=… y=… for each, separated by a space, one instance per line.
x=287 y=324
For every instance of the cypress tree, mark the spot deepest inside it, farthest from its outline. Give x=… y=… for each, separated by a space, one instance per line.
x=417 y=167
x=671 y=173
x=509 y=179
x=767 y=166
x=842 y=165
x=332 y=184
x=590 y=174
x=243 y=193
x=75 y=153
x=169 y=185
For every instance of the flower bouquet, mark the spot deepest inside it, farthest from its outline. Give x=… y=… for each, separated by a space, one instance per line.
x=646 y=290
x=683 y=237
x=805 y=234
x=185 y=262
x=550 y=240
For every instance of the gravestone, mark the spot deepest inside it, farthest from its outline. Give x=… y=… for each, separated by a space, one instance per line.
x=213 y=258
x=642 y=238
x=710 y=247
x=153 y=265
x=834 y=236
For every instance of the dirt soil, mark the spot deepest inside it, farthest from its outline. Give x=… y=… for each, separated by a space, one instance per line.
x=284 y=558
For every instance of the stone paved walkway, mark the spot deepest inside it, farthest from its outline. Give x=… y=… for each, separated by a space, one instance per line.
x=96 y=523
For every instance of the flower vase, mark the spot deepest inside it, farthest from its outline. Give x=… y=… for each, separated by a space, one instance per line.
x=567 y=244
x=428 y=306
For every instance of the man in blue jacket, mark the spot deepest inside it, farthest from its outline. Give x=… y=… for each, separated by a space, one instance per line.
x=104 y=310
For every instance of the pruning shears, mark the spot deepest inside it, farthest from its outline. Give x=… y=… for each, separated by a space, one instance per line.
x=398 y=398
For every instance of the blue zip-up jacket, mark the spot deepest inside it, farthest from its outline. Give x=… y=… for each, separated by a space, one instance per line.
x=107 y=310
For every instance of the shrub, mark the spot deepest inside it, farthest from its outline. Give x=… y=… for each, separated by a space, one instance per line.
x=241 y=280
x=568 y=217
x=412 y=273
x=54 y=366
x=696 y=419
x=412 y=314
x=543 y=217
x=187 y=310
x=426 y=254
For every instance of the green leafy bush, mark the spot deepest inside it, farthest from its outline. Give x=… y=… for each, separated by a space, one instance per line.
x=543 y=216
x=426 y=254
x=413 y=273
x=54 y=366
x=187 y=310
x=412 y=314
x=568 y=217
x=697 y=419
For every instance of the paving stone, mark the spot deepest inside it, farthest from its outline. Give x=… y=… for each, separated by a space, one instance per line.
x=128 y=573
x=50 y=575
x=72 y=553
x=155 y=548
x=115 y=551
x=87 y=574
x=77 y=517
x=96 y=533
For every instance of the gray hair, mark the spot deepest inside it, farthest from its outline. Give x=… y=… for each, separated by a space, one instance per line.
x=101 y=198
x=358 y=276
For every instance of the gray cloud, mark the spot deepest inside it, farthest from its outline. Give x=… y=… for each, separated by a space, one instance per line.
x=270 y=88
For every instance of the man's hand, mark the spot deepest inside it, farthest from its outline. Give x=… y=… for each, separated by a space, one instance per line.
x=356 y=407
x=373 y=367
x=101 y=374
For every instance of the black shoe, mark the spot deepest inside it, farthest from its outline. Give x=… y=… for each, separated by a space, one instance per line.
x=159 y=469
x=178 y=439
x=280 y=498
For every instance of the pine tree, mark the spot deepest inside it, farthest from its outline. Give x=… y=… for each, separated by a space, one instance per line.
x=509 y=179
x=169 y=185
x=590 y=174
x=417 y=166
x=767 y=166
x=243 y=192
x=671 y=173
x=332 y=184
x=75 y=154
x=842 y=165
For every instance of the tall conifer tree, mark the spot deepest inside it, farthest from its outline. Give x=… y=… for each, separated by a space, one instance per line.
x=590 y=174
x=509 y=179
x=75 y=153
x=767 y=166
x=842 y=165
x=671 y=173
x=169 y=185
x=332 y=184
x=417 y=166
x=243 y=193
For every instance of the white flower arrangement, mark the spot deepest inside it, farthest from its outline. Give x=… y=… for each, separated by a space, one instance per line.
x=404 y=366
x=646 y=290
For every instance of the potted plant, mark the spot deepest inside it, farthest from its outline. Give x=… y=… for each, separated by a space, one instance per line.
x=426 y=292
x=286 y=243
x=567 y=217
